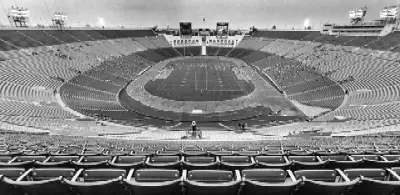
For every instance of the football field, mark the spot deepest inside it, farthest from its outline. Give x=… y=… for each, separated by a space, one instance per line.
x=200 y=80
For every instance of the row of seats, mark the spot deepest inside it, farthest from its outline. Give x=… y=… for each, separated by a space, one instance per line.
x=198 y=182
x=194 y=160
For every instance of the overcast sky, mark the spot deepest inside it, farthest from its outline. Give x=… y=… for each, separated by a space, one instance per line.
x=240 y=13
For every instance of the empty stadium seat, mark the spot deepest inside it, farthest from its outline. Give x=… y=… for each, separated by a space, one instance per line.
x=280 y=162
x=128 y=162
x=306 y=162
x=7 y=176
x=341 y=162
x=236 y=162
x=45 y=181
x=274 y=181
x=323 y=182
x=99 y=181
x=373 y=181
x=213 y=182
x=24 y=161
x=165 y=162
x=199 y=162
x=155 y=181
x=58 y=161
x=93 y=162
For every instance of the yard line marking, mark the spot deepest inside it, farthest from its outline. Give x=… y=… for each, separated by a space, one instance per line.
x=206 y=75
x=195 y=81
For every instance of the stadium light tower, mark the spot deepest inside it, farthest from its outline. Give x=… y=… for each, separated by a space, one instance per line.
x=306 y=23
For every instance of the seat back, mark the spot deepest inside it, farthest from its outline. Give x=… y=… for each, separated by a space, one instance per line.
x=265 y=175
x=96 y=158
x=200 y=159
x=130 y=159
x=317 y=175
x=102 y=174
x=367 y=157
x=30 y=158
x=63 y=158
x=392 y=157
x=5 y=159
x=12 y=173
x=335 y=158
x=271 y=159
x=156 y=175
x=235 y=159
x=47 y=173
x=164 y=159
x=377 y=174
x=303 y=158
x=210 y=175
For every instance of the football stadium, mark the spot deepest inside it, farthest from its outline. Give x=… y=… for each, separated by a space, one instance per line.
x=198 y=107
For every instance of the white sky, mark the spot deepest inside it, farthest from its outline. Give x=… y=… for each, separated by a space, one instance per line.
x=240 y=13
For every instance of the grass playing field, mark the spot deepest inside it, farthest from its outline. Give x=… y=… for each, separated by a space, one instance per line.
x=200 y=80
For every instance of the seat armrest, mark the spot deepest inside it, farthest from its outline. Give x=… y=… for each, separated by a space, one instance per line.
x=130 y=174
x=12 y=160
x=291 y=175
x=319 y=159
x=24 y=175
x=79 y=172
x=393 y=174
x=238 y=177
x=80 y=159
x=286 y=159
x=184 y=175
x=342 y=175
x=383 y=158
x=252 y=160
x=47 y=159
x=114 y=159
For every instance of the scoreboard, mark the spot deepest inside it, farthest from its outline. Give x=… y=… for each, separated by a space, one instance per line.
x=222 y=30
x=185 y=29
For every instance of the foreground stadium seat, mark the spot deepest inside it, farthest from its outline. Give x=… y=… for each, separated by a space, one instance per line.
x=273 y=181
x=212 y=182
x=165 y=162
x=7 y=176
x=5 y=159
x=247 y=153
x=45 y=181
x=278 y=162
x=194 y=153
x=373 y=181
x=24 y=161
x=154 y=182
x=327 y=182
x=375 y=161
x=58 y=161
x=128 y=162
x=341 y=162
x=236 y=162
x=12 y=173
x=99 y=181
x=199 y=162
x=221 y=153
x=305 y=162
x=93 y=162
